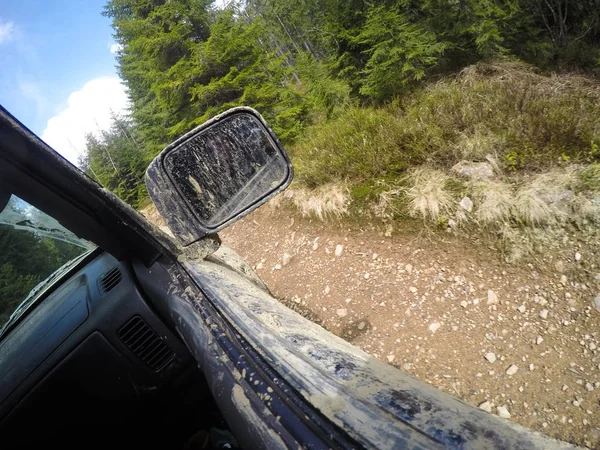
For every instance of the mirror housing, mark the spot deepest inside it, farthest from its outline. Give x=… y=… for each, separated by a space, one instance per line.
x=217 y=173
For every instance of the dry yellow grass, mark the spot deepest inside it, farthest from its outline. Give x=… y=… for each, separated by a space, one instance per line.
x=330 y=200
x=493 y=202
x=428 y=196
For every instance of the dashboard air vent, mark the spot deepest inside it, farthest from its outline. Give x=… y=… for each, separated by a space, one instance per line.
x=110 y=279
x=145 y=343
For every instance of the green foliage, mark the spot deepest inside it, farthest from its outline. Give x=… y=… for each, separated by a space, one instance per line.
x=117 y=160
x=514 y=161
x=590 y=178
x=323 y=94
x=236 y=70
x=25 y=260
x=361 y=144
x=14 y=287
x=398 y=51
x=530 y=122
x=305 y=63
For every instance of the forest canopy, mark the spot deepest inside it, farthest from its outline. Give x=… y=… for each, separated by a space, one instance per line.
x=304 y=63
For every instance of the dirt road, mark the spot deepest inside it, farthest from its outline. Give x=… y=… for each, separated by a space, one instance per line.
x=447 y=312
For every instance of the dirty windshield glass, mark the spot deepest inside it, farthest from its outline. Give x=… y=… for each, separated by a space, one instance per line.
x=33 y=246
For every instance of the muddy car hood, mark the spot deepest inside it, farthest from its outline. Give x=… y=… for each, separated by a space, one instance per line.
x=376 y=404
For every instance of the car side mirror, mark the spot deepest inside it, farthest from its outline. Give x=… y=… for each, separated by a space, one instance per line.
x=217 y=173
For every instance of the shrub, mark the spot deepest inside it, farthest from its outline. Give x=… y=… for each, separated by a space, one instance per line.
x=360 y=144
x=503 y=111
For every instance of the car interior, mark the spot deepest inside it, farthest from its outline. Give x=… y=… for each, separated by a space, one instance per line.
x=97 y=360
x=95 y=357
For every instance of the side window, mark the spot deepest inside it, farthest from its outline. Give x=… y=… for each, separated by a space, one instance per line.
x=33 y=249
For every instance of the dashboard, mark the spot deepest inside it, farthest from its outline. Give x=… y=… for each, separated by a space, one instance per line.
x=93 y=351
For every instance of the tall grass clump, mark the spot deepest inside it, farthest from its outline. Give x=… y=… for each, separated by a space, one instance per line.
x=494 y=201
x=428 y=196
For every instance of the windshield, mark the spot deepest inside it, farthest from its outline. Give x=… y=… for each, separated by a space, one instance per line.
x=33 y=247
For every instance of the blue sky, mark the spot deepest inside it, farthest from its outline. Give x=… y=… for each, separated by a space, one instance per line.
x=57 y=68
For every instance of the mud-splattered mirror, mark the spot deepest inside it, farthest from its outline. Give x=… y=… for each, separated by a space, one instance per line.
x=226 y=168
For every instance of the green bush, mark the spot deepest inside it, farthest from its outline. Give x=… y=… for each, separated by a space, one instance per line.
x=360 y=144
x=526 y=121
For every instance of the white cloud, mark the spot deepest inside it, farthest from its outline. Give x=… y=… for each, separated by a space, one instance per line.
x=115 y=48
x=88 y=111
x=7 y=31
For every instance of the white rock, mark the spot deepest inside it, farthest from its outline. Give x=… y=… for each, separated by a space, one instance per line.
x=544 y=314
x=592 y=346
x=342 y=312
x=434 y=326
x=539 y=340
x=577 y=256
x=362 y=325
x=409 y=268
x=315 y=244
x=589 y=386
x=503 y=412
x=259 y=266
x=512 y=369
x=412 y=289
x=475 y=301
x=366 y=276
x=492 y=298
x=327 y=290
x=339 y=249
x=464 y=303
x=597 y=303
x=576 y=404
x=391 y=358
x=467 y=204
x=531 y=367
x=521 y=309
x=470 y=169
x=277 y=267
x=286 y=258
x=563 y=280
x=490 y=357
x=486 y=406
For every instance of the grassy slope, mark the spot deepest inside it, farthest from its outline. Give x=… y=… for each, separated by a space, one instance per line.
x=541 y=134
x=525 y=120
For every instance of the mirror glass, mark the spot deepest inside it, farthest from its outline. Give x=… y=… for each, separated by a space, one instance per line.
x=225 y=168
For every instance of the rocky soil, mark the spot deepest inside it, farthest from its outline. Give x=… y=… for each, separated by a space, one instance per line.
x=517 y=341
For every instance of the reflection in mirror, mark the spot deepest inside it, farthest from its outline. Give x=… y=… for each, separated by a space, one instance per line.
x=225 y=168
